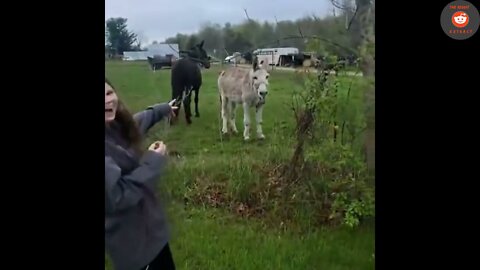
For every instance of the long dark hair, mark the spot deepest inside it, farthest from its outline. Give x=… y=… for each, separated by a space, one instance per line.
x=127 y=125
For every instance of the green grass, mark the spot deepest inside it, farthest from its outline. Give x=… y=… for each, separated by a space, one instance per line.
x=207 y=238
x=212 y=239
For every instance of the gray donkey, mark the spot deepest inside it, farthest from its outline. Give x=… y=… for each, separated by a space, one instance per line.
x=246 y=86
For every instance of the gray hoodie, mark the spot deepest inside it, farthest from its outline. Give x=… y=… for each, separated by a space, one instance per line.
x=135 y=224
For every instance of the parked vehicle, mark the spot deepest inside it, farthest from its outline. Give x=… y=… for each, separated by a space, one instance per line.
x=159 y=61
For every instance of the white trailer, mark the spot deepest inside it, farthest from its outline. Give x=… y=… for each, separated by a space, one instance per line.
x=274 y=56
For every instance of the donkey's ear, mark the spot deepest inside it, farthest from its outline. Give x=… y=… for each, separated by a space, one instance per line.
x=255 y=64
x=264 y=64
x=201 y=44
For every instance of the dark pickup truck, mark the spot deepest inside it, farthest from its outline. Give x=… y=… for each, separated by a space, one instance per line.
x=159 y=61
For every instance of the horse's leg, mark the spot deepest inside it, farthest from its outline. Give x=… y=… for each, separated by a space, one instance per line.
x=197 y=114
x=179 y=105
x=188 y=112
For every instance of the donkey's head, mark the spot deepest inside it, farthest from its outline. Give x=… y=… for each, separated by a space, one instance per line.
x=199 y=53
x=259 y=78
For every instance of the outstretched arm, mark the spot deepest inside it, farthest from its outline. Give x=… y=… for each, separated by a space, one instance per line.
x=124 y=191
x=152 y=115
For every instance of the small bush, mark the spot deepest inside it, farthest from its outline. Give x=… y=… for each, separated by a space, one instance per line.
x=332 y=168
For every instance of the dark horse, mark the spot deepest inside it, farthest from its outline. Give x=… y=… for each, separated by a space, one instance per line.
x=187 y=78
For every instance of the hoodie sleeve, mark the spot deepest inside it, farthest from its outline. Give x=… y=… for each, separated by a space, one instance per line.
x=152 y=115
x=124 y=191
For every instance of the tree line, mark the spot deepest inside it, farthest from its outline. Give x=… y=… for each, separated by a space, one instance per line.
x=249 y=35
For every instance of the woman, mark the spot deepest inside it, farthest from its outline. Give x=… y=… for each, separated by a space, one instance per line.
x=136 y=234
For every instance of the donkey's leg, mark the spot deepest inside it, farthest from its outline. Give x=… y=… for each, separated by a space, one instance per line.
x=233 y=126
x=224 y=101
x=246 y=121
x=259 y=120
x=197 y=114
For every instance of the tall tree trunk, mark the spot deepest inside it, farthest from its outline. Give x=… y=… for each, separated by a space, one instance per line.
x=366 y=20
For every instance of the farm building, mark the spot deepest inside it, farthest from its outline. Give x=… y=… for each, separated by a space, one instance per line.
x=152 y=50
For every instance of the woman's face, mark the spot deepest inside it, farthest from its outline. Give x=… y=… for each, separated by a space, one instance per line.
x=111 y=103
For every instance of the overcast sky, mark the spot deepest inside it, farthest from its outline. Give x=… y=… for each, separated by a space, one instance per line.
x=160 y=19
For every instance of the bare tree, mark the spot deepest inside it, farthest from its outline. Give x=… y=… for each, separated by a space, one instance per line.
x=364 y=18
x=141 y=39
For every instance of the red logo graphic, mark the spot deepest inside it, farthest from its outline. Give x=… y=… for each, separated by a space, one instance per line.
x=460 y=19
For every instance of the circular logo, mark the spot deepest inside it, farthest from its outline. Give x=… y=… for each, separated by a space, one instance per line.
x=460 y=20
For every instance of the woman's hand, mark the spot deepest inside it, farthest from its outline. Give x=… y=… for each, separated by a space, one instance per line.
x=172 y=107
x=158 y=147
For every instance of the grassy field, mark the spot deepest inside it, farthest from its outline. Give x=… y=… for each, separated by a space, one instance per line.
x=205 y=237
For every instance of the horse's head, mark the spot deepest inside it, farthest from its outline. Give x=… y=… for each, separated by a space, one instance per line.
x=198 y=52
